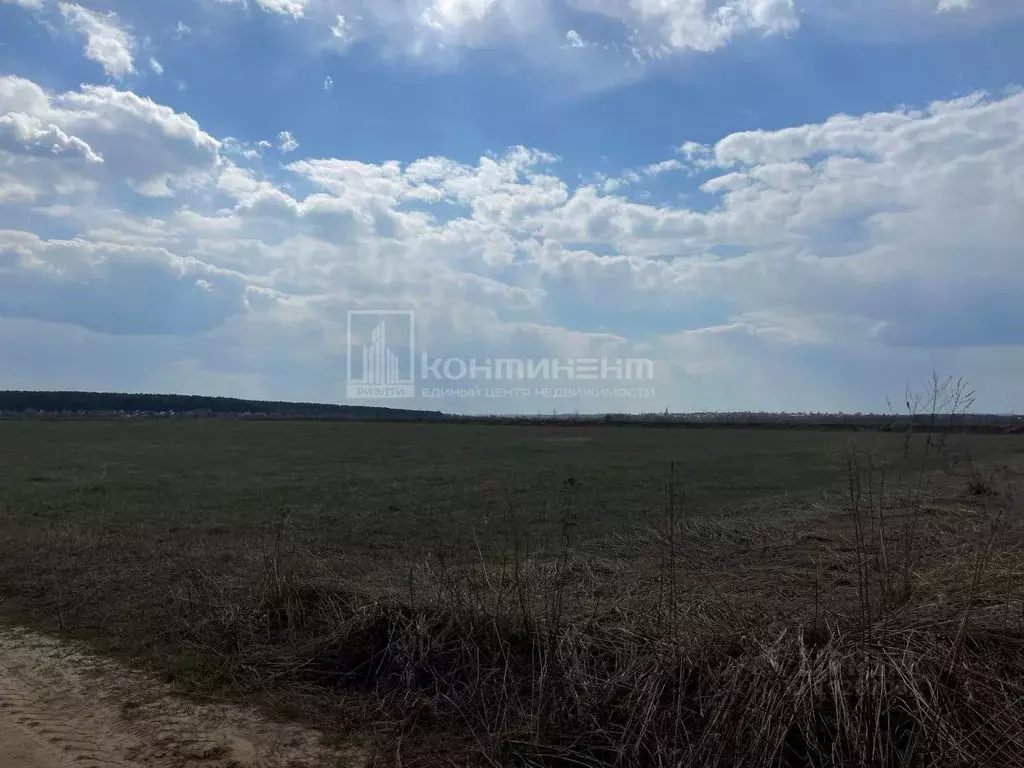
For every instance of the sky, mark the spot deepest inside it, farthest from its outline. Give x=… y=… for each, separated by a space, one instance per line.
x=783 y=205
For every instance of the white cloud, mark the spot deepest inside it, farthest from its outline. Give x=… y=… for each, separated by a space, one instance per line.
x=237 y=182
x=954 y=5
x=107 y=43
x=328 y=83
x=699 y=154
x=574 y=40
x=156 y=66
x=95 y=285
x=14 y=191
x=141 y=142
x=21 y=133
x=341 y=30
x=286 y=142
x=181 y=29
x=448 y=15
x=35 y=4
x=292 y=8
x=665 y=166
x=791 y=197
x=660 y=26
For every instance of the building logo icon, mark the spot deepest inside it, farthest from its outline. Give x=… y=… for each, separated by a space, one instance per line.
x=381 y=348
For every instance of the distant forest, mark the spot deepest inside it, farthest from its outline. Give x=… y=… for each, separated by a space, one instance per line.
x=120 y=404
x=86 y=405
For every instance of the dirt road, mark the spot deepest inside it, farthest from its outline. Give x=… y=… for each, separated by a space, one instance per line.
x=60 y=707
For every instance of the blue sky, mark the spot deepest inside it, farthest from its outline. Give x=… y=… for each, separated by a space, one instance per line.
x=799 y=206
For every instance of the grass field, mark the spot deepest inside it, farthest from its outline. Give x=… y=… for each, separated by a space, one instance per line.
x=540 y=595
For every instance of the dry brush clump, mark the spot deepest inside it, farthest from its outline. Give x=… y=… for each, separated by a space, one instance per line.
x=913 y=689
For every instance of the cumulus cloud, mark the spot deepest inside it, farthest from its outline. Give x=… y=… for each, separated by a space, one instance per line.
x=106 y=41
x=21 y=133
x=156 y=66
x=660 y=27
x=341 y=30
x=293 y=8
x=328 y=83
x=573 y=39
x=286 y=142
x=139 y=141
x=113 y=288
x=665 y=166
x=840 y=217
x=454 y=14
x=954 y=5
x=13 y=190
x=34 y=4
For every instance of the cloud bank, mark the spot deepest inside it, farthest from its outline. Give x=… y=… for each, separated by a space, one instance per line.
x=814 y=264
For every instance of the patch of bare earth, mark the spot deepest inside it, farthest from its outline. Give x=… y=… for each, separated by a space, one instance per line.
x=60 y=707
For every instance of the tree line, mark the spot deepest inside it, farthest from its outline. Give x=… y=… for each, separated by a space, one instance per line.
x=89 y=403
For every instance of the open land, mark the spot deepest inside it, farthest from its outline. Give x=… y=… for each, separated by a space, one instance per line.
x=541 y=595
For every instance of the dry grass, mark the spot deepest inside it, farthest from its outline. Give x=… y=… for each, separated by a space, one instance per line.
x=906 y=650
x=876 y=621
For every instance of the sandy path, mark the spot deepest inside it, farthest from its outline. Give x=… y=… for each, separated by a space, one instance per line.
x=62 y=708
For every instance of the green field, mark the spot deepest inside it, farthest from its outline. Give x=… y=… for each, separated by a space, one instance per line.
x=141 y=537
